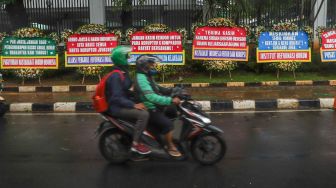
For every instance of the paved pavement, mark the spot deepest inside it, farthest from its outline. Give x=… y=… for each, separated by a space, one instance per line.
x=209 y=93
x=273 y=149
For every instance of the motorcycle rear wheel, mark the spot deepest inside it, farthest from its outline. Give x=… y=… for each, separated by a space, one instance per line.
x=114 y=145
x=2 y=108
x=208 y=149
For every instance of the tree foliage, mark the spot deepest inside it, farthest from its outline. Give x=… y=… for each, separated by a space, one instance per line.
x=7 y=1
x=239 y=9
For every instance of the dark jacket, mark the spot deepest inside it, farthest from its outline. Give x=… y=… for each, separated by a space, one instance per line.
x=117 y=92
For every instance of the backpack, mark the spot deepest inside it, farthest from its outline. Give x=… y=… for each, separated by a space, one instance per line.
x=100 y=104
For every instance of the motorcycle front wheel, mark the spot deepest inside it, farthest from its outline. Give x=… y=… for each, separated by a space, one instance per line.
x=114 y=145
x=208 y=149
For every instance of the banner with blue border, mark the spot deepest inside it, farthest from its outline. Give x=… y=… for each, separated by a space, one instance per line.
x=220 y=54
x=82 y=60
x=167 y=58
x=283 y=46
x=328 y=55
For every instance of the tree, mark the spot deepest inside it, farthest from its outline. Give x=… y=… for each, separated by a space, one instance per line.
x=16 y=12
x=262 y=11
x=210 y=8
x=126 y=12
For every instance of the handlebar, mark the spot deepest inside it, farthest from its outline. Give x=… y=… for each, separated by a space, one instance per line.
x=180 y=93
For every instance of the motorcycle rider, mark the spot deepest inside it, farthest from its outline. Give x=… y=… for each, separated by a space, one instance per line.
x=2 y=100
x=154 y=97
x=118 y=97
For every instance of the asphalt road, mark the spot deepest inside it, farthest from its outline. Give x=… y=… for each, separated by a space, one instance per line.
x=287 y=149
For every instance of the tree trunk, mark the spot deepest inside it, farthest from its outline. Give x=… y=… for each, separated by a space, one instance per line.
x=210 y=75
x=83 y=79
x=301 y=14
x=209 y=10
x=126 y=15
x=259 y=15
x=260 y=66
x=17 y=15
x=294 y=75
x=278 y=73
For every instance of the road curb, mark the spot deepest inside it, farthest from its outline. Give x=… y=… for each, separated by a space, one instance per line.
x=91 y=88
x=217 y=105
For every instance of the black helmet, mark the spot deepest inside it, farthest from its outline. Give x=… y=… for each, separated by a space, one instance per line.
x=143 y=62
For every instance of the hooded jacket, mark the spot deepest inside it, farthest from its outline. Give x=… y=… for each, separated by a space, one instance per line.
x=151 y=94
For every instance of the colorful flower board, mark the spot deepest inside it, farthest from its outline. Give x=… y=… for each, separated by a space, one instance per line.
x=90 y=49
x=220 y=43
x=165 y=45
x=283 y=46
x=328 y=46
x=34 y=53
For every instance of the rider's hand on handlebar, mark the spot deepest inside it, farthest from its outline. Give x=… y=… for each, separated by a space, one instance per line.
x=140 y=106
x=176 y=100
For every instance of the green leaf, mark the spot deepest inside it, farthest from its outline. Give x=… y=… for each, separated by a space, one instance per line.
x=7 y=1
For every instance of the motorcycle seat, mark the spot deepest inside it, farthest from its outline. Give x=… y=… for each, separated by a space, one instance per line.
x=117 y=120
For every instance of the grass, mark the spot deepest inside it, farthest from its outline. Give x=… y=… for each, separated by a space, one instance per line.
x=253 y=77
x=237 y=76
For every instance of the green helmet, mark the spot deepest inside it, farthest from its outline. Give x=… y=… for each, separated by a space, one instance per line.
x=119 y=55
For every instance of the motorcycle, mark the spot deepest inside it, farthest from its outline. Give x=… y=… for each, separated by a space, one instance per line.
x=193 y=134
x=3 y=108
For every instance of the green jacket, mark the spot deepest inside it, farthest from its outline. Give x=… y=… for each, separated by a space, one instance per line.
x=148 y=95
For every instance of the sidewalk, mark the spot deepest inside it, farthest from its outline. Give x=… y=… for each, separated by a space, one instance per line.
x=209 y=93
x=212 y=99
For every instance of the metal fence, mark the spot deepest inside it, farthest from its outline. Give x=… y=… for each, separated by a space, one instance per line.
x=174 y=13
x=51 y=15
x=56 y=15
x=268 y=12
x=331 y=13
x=183 y=13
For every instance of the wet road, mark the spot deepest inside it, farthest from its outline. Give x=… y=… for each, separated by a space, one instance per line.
x=287 y=149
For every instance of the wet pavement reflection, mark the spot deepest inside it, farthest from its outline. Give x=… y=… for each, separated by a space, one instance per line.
x=288 y=149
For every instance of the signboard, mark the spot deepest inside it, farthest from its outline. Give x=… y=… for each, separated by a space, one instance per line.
x=90 y=50
x=166 y=46
x=220 y=43
x=328 y=46
x=37 y=53
x=283 y=46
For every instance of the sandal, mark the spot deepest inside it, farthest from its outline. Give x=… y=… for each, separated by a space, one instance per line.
x=174 y=152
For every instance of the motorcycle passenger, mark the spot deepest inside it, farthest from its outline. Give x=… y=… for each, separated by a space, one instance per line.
x=2 y=100
x=118 y=96
x=154 y=97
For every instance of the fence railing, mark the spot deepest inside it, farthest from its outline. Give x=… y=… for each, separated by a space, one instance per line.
x=57 y=15
x=50 y=15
